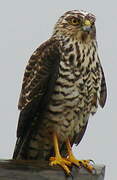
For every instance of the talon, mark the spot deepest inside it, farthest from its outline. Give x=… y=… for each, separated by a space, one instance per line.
x=79 y=163
x=90 y=160
x=86 y=164
x=61 y=162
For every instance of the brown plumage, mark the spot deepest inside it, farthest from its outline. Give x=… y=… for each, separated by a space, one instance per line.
x=63 y=84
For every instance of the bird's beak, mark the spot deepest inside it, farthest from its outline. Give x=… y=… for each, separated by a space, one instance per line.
x=86 y=26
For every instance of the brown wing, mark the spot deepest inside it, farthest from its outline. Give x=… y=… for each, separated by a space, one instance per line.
x=103 y=91
x=38 y=83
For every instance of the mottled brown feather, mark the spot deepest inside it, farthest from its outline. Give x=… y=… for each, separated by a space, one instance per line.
x=46 y=64
x=103 y=91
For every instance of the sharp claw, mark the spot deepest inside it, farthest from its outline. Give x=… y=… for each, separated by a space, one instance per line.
x=90 y=160
x=87 y=165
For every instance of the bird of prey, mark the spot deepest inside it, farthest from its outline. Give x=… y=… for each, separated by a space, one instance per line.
x=63 y=85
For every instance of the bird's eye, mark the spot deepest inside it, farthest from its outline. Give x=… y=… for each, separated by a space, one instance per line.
x=75 y=21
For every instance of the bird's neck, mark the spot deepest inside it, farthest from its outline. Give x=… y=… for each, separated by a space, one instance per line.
x=79 y=48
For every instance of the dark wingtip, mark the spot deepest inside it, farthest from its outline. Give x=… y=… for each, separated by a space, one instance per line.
x=103 y=98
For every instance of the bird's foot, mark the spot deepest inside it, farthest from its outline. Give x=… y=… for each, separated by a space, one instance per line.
x=81 y=163
x=64 y=163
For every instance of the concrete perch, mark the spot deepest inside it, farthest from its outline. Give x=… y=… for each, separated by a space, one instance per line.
x=40 y=170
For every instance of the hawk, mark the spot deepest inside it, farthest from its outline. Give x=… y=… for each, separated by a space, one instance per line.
x=63 y=85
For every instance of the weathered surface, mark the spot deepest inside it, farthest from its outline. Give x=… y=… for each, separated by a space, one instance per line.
x=38 y=170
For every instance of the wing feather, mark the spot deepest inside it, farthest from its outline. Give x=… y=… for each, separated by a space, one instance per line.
x=38 y=83
x=103 y=91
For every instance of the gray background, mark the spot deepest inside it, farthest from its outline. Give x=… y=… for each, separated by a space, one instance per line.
x=24 y=25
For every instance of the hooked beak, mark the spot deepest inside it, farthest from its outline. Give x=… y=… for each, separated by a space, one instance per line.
x=87 y=26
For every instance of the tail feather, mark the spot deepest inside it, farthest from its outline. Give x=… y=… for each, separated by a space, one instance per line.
x=20 y=148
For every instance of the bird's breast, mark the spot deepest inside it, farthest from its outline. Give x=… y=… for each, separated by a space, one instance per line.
x=75 y=92
x=64 y=113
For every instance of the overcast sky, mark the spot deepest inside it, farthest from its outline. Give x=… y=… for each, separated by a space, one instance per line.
x=24 y=25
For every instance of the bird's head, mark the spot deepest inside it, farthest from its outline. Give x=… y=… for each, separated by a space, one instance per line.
x=78 y=25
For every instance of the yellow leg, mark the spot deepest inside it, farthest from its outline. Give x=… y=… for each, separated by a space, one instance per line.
x=58 y=160
x=73 y=160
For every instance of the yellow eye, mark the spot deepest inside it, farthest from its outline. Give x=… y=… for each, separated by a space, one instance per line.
x=75 y=21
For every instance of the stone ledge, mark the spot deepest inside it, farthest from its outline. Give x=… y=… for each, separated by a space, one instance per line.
x=40 y=170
